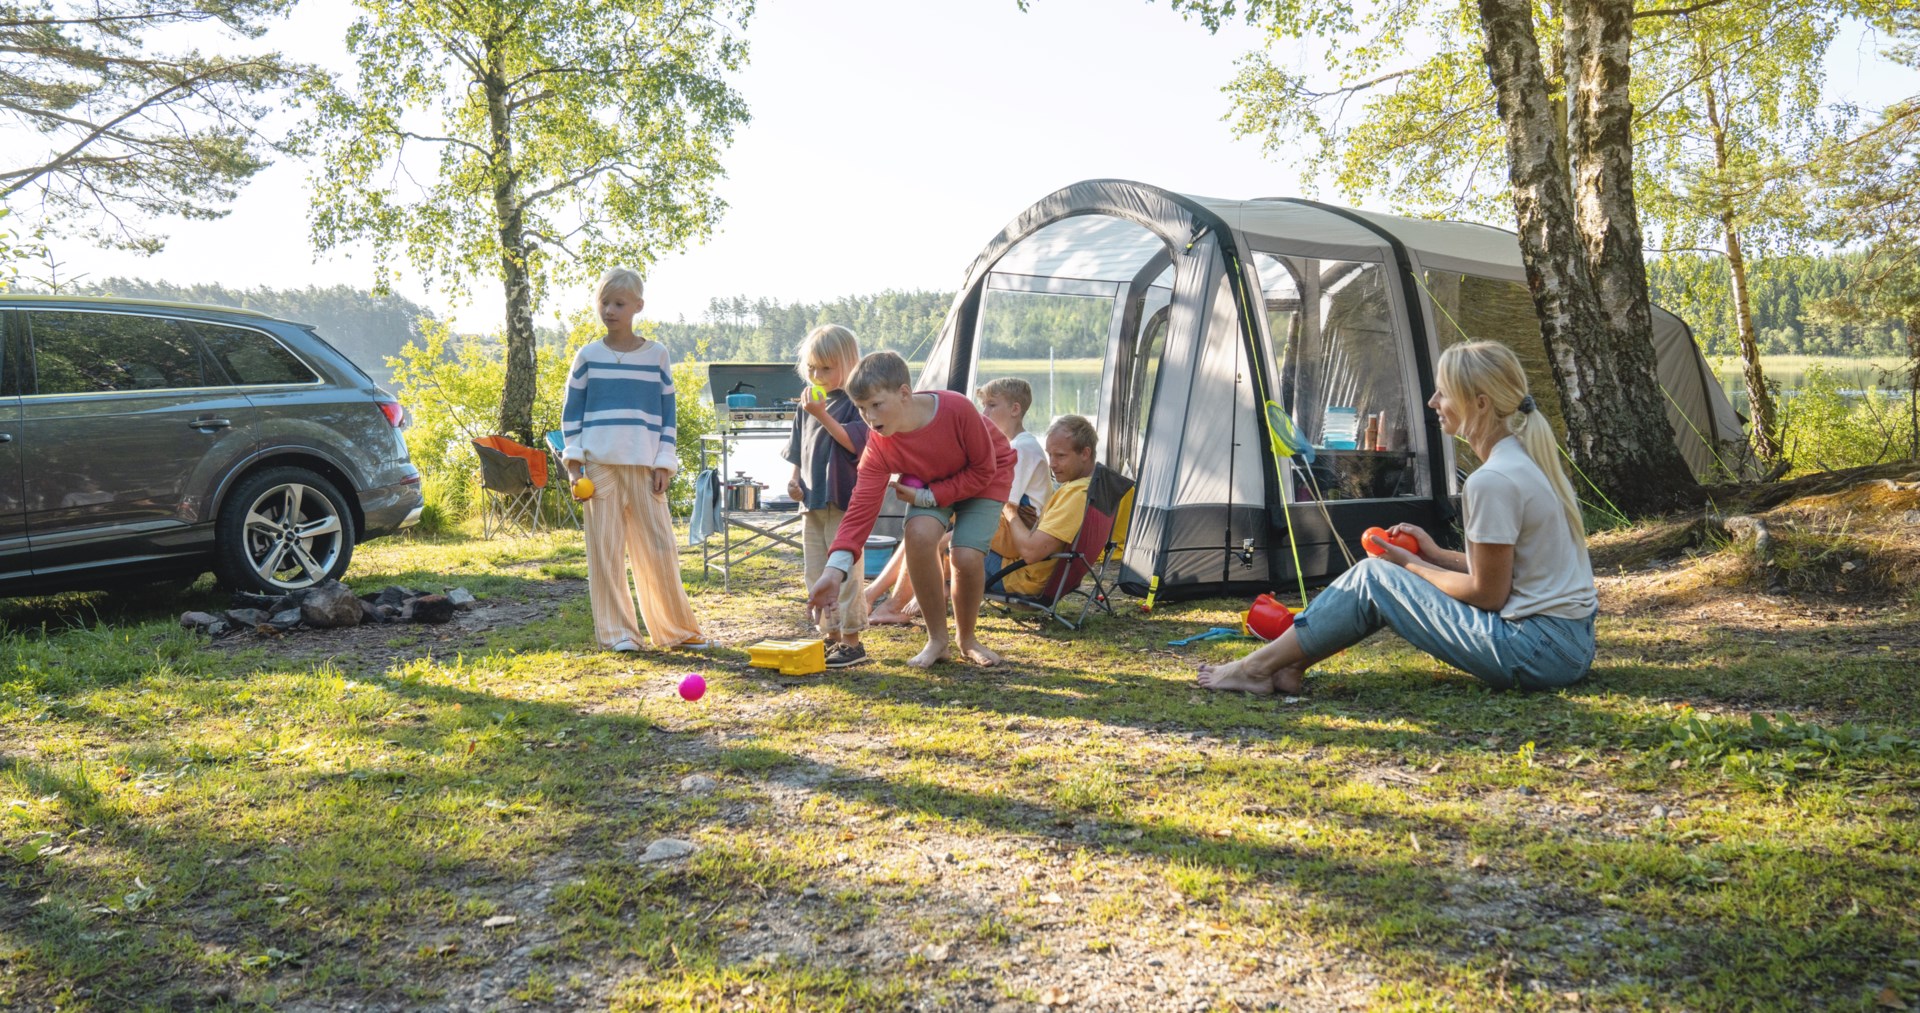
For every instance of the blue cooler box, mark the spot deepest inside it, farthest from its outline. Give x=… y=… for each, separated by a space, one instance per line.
x=879 y=550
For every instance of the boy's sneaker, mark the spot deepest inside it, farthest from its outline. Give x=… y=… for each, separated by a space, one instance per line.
x=846 y=655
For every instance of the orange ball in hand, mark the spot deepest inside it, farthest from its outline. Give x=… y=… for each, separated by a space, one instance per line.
x=1399 y=538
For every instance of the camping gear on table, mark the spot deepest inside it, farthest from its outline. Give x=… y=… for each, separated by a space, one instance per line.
x=743 y=493
x=755 y=395
x=1222 y=316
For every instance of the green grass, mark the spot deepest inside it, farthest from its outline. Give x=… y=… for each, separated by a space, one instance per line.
x=1714 y=821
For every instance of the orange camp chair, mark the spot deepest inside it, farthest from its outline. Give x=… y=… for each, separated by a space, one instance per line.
x=511 y=477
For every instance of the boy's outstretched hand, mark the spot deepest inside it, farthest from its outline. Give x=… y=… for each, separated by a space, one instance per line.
x=826 y=594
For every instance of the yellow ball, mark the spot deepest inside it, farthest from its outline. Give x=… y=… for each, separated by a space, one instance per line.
x=583 y=488
x=819 y=393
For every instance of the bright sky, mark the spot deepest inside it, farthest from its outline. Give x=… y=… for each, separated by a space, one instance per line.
x=890 y=140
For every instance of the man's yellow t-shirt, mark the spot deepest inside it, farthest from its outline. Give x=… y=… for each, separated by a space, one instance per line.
x=1066 y=508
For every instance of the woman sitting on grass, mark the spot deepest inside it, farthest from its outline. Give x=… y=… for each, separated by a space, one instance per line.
x=1515 y=609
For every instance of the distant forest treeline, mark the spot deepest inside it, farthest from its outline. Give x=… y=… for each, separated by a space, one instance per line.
x=1018 y=326
x=1787 y=295
x=366 y=328
x=766 y=330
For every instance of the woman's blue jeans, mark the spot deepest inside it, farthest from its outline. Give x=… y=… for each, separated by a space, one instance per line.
x=1538 y=652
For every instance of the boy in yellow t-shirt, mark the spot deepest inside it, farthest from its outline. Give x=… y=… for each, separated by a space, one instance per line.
x=1070 y=445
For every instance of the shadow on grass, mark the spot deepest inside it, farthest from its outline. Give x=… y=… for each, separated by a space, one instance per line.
x=1416 y=910
x=353 y=877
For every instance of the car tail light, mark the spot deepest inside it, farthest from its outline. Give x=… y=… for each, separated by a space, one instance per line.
x=396 y=415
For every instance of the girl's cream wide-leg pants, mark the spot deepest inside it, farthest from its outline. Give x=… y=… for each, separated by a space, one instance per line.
x=626 y=521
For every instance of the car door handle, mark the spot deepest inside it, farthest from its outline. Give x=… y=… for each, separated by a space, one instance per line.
x=210 y=424
x=6 y=437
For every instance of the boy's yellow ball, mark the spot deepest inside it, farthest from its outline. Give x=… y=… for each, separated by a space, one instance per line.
x=818 y=392
x=583 y=488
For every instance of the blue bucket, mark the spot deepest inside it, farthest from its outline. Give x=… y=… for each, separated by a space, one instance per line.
x=879 y=550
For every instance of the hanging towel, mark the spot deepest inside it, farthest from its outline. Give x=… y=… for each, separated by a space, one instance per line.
x=706 y=507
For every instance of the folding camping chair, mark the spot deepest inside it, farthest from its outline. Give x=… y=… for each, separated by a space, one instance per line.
x=557 y=446
x=512 y=477
x=1102 y=534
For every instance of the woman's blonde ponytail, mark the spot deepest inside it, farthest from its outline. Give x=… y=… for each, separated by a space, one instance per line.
x=1468 y=370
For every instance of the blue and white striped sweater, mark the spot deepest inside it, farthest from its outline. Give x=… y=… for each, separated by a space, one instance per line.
x=619 y=408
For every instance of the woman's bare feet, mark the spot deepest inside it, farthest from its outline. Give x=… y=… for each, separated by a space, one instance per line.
x=977 y=654
x=1236 y=675
x=886 y=616
x=935 y=652
x=1291 y=680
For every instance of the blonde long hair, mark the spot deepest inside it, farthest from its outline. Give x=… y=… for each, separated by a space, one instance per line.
x=1469 y=370
x=829 y=345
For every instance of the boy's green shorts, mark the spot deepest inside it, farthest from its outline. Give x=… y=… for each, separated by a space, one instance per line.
x=972 y=521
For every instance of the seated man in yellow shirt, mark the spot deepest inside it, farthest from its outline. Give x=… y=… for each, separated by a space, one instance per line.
x=1070 y=443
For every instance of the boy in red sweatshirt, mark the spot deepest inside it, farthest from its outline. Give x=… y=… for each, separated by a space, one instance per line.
x=965 y=468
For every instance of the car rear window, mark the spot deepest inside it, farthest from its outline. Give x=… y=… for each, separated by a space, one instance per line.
x=87 y=353
x=252 y=358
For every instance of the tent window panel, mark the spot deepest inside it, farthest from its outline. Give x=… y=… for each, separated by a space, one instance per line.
x=1143 y=378
x=1340 y=372
x=1057 y=343
x=1472 y=308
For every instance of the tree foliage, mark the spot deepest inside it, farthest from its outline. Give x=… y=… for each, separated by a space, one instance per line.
x=554 y=138
x=452 y=385
x=1873 y=182
x=1556 y=93
x=132 y=131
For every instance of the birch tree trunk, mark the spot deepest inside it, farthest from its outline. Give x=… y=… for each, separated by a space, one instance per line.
x=516 y=399
x=1581 y=246
x=1765 y=436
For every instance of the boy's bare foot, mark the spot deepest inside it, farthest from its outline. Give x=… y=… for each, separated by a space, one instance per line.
x=888 y=617
x=934 y=652
x=1235 y=676
x=977 y=654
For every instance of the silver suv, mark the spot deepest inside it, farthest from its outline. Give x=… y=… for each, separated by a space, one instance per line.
x=147 y=440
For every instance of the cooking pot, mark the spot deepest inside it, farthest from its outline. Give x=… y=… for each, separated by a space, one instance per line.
x=743 y=494
x=736 y=402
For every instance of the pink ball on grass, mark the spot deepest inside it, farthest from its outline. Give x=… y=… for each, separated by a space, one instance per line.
x=693 y=687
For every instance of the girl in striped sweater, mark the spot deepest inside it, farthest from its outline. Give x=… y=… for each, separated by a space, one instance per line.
x=618 y=422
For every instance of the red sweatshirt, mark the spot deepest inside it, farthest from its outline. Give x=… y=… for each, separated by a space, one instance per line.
x=960 y=455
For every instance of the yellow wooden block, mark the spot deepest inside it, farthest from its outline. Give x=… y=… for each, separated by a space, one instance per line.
x=791 y=657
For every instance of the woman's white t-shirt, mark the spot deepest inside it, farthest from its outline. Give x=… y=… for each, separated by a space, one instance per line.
x=1509 y=501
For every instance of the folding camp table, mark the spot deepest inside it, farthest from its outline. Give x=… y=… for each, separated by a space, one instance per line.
x=745 y=534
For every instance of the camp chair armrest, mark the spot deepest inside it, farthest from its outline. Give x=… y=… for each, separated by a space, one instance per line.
x=1013 y=567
